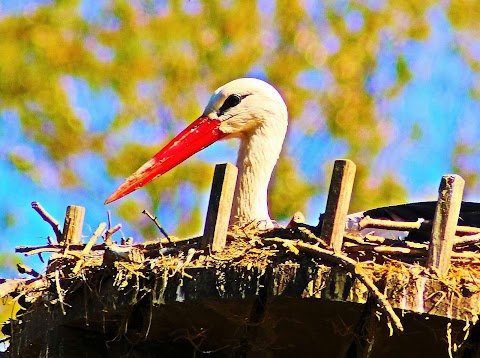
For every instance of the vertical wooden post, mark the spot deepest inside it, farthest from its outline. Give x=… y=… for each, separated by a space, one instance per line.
x=72 y=227
x=445 y=222
x=220 y=206
x=341 y=185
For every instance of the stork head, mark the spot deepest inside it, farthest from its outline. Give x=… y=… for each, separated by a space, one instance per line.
x=244 y=105
x=236 y=109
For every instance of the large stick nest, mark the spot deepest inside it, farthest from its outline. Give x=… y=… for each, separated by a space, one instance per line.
x=115 y=288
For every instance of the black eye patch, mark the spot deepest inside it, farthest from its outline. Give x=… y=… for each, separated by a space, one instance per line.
x=231 y=101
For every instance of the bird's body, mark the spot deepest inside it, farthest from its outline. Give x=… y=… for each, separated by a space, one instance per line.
x=412 y=212
x=248 y=109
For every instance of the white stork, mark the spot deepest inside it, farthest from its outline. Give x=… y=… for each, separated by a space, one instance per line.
x=253 y=111
x=248 y=109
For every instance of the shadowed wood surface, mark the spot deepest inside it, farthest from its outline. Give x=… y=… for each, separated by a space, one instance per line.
x=220 y=206
x=338 y=201
x=311 y=306
x=278 y=293
x=445 y=221
x=72 y=228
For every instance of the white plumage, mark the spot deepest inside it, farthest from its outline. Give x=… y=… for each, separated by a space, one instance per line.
x=260 y=122
x=248 y=109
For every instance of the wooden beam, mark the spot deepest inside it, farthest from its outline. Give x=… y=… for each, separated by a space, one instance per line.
x=445 y=222
x=72 y=227
x=341 y=185
x=220 y=206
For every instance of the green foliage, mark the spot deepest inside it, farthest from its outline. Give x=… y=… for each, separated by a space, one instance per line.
x=8 y=306
x=416 y=132
x=9 y=219
x=8 y=310
x=22 y=163
x=286 y=188
x=184 y=55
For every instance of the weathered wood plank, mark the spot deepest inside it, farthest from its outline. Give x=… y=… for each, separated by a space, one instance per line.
x=220 y=206
x=445 y=222
x=72 y=227
x=338 y=201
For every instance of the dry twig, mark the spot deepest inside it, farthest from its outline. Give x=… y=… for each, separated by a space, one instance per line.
x=367 y=281
x=422 y=225
x=28 y=270
x=33 y=250
x=49 y=219
x=159 y=226
x=94 y=238
x=368 y=222
x=467 y=240
x=59 y=290
x=110 y=232
x=351 y=265
x=312 y=236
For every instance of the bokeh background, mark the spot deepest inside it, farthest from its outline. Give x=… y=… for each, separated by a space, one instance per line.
x=91 y=89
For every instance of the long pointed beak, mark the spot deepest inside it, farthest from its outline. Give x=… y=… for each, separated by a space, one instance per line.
x=198 y=135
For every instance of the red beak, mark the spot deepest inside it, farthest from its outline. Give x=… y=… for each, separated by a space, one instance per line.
x=198 y=135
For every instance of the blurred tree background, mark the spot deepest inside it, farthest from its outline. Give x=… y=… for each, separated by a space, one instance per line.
x=89 y=90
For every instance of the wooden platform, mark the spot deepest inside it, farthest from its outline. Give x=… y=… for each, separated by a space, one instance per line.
x=280 y=309
x=297 y=291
